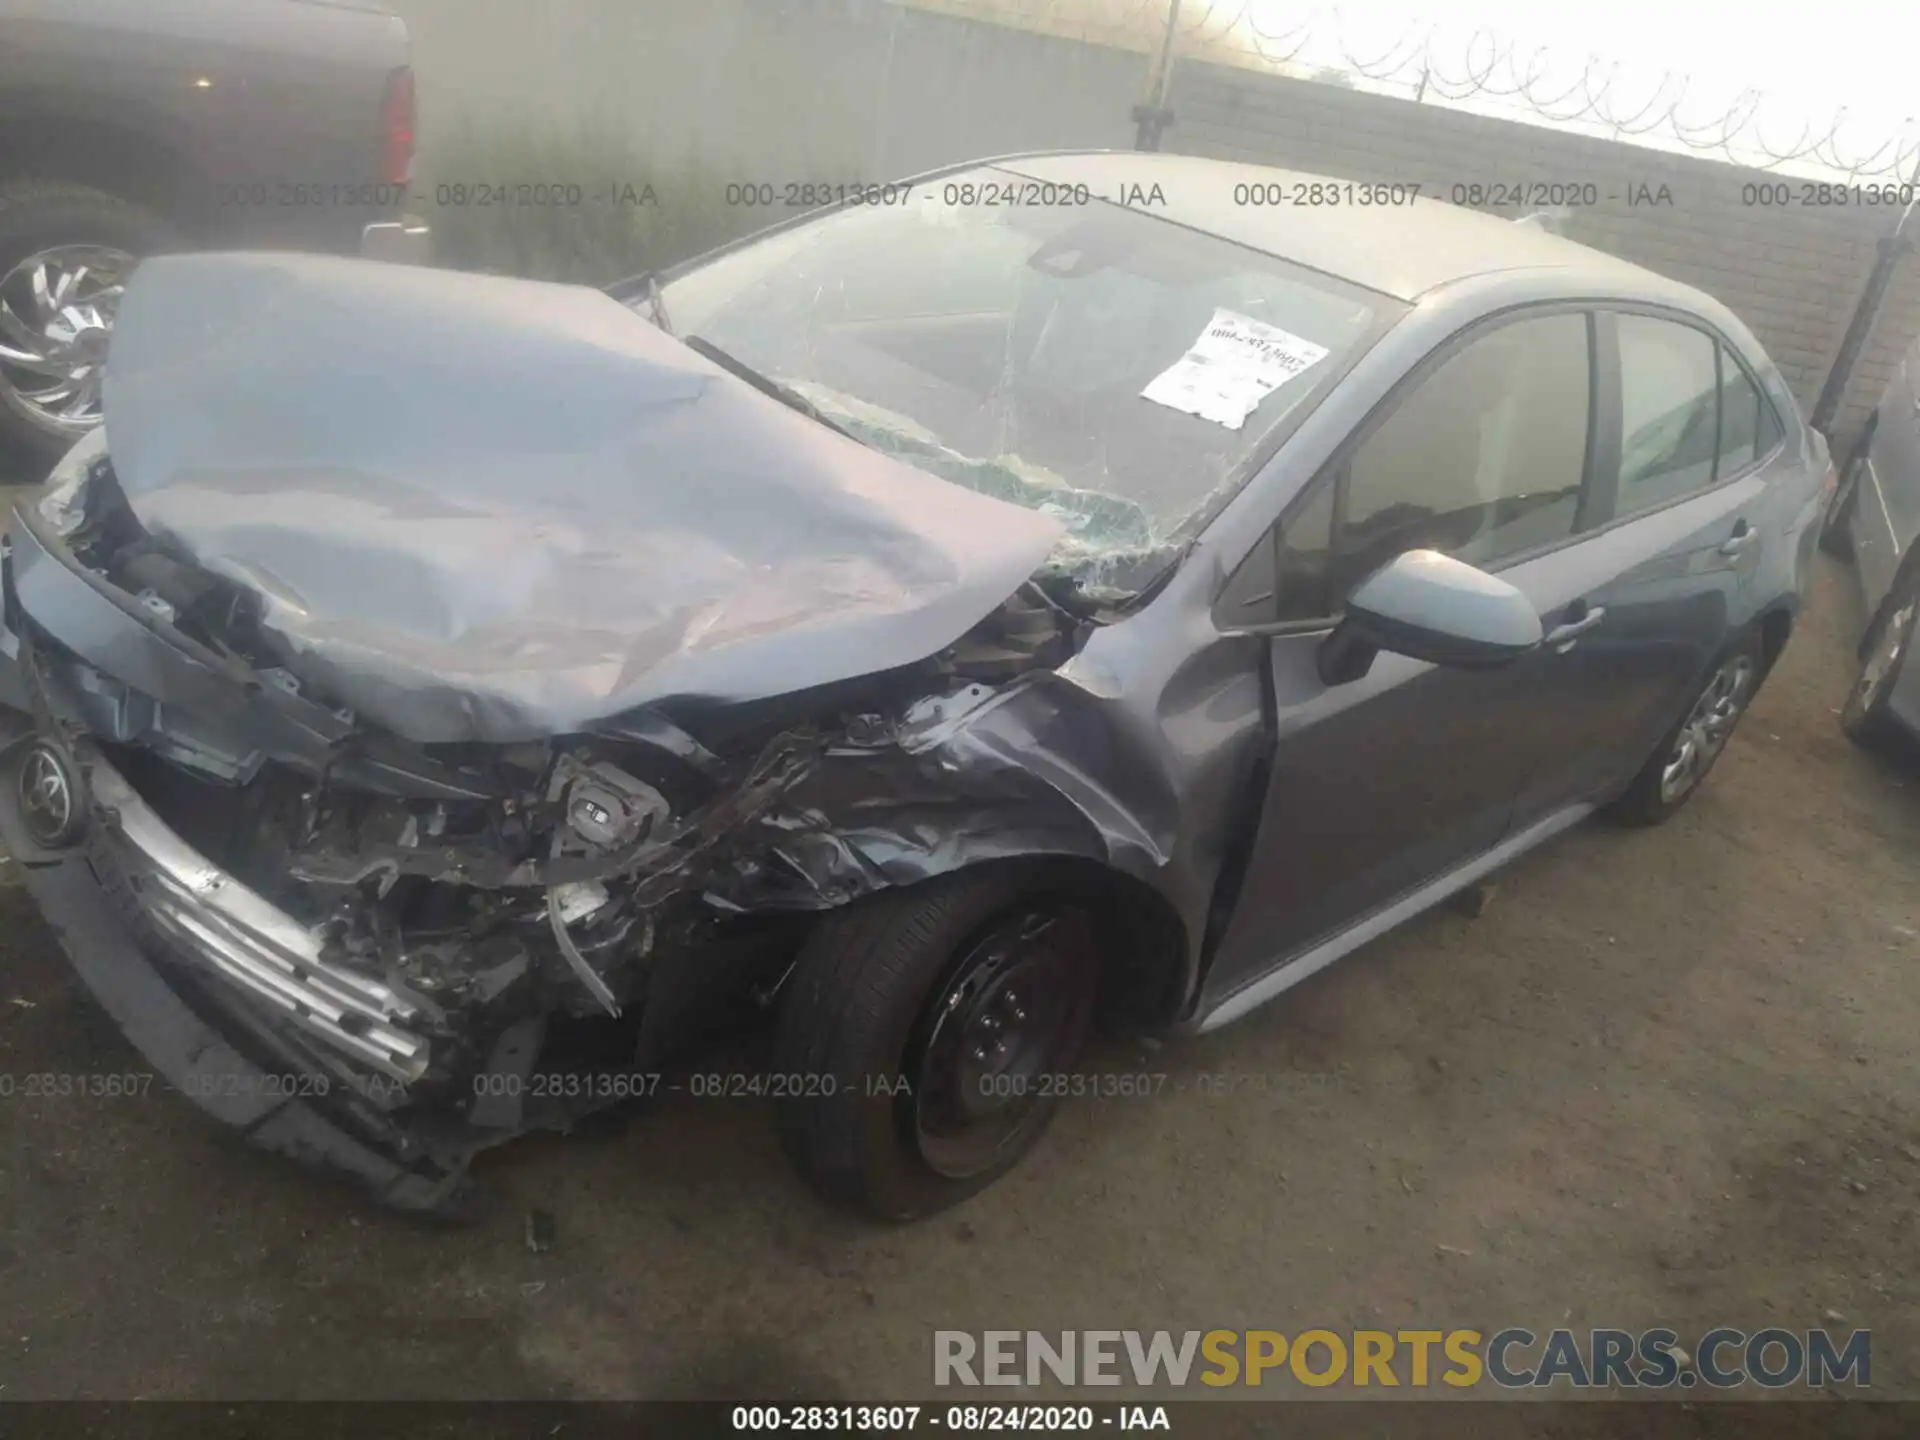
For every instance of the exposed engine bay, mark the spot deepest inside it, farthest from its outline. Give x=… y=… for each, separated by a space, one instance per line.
x=628 y=884
x=516 y=728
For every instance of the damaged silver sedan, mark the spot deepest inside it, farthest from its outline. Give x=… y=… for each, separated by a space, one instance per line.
x=438 y=701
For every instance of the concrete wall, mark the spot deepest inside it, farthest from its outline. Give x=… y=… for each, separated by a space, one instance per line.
x=868 y=90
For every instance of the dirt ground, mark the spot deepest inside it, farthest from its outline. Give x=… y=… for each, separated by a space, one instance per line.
x=1668 y=1078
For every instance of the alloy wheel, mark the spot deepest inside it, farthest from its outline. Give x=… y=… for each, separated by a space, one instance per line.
x=57 y=309
x=1708 y=725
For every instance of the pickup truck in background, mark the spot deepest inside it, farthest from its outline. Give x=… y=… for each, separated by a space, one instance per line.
x=134 y=127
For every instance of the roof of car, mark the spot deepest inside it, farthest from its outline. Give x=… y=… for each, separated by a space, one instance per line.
x=1403 y=250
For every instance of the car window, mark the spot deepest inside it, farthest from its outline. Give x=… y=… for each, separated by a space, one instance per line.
x=1745 y=429
x=1770 y=432
x=1090 y=360
x=1669 y=411
x=1482 y=460
x=1303 y=553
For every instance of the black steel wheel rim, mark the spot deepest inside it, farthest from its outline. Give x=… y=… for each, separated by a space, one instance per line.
x=995 y=1038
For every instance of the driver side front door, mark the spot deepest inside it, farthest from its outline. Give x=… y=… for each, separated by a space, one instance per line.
x=1378 y=786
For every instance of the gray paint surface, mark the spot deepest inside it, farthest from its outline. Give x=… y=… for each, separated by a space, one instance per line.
x=1139 y=752
x=492 y=509
x=1279 y=819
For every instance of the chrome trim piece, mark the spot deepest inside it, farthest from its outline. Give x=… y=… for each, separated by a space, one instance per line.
x=245 y=939
x=1311 y=962
x=406 y=241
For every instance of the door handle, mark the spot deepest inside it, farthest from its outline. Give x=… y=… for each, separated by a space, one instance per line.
x=1562 y=637
x=1744 y=535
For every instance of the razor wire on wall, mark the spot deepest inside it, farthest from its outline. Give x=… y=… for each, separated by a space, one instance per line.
x=1442 y=63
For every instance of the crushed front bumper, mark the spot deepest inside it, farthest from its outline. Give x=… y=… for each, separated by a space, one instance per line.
x=238 y=937
x=227 y=996
x=138 y=913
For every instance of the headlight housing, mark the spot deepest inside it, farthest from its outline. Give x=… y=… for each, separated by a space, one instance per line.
x=65 y=502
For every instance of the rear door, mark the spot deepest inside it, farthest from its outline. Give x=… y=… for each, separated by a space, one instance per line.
x=1639 y=606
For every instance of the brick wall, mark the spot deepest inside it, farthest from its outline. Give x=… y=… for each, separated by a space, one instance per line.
x=1792 y=273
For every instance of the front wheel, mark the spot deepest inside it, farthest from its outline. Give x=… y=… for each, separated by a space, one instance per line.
x=926 y=1033
x=1688 y=751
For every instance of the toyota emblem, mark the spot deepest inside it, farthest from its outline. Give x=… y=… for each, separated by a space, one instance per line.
x=49 y=797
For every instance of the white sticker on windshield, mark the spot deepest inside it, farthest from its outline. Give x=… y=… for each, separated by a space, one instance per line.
x=1235 y=364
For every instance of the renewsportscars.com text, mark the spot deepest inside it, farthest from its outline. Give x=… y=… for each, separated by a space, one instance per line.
x=1513 y=1358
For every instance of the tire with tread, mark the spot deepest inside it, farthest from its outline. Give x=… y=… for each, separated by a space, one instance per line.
x=1642 y=803
x=850 y=1010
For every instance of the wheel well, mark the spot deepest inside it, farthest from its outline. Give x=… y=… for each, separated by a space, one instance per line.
x=1141 y=938
x=125 y=163
x=1775 y=627
x=1142 y=941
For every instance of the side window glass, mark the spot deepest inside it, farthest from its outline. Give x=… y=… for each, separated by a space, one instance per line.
x=1483 y=460
x=1301 y=558
x=1770 y=433
x=1285 y=575
x=1740 y=418
x=1669 y=391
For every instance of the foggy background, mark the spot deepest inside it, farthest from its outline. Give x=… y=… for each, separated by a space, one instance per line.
x=688 y=98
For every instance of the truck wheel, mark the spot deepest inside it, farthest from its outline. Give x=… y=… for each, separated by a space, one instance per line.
x=922 y=1035
x=65 y=254
x=1867 y=718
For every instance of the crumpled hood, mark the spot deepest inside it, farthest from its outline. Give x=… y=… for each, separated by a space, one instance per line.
x=492 y=509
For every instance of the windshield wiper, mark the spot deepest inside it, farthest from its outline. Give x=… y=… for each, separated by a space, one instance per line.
x=657 y=307
x=644 y=286
x=765 y=384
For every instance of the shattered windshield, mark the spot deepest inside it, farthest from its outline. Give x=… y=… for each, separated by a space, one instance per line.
x=1083 y=359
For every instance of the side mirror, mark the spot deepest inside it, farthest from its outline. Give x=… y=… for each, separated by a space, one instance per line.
x=1428 y=606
